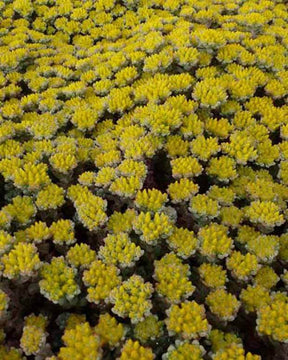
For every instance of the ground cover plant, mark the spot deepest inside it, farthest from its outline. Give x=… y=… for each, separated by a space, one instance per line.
x=143 y=179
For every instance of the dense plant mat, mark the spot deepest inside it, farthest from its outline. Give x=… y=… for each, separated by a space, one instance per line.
x=143 y=179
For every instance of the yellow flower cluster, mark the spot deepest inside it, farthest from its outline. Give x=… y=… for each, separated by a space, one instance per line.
x=38 y=232
x=254 y=297
x=204 y=208
x=133 y=350
x=21 y=210
x=152 y=228
x=6 y=242
x=272 y=320
x=223 y=168
x=234 y=352
x=265 y=247
x=187 y=320
x=119 y=250
x=58 y=281
x=33 y=339
x=265 y=213
x=63 y=232
x=204 y=148
x=100 y=280
x=182 y=190
x=185 y=167
x=22 y=261
x=184 y=350
x=80 y=342
x=172 y=279
x=131 y=299
x=31 y=177
x=266 y=277
x=223 y=304
x=10 y=353
x=150 y=200
x=149 y=329
x=212 y=275
x=214 y=241
x=90 y=208
x=242 y=267
x=109 y=330
x=183 y=242
x=121 y=222
x=80 y=255
x=222 y=340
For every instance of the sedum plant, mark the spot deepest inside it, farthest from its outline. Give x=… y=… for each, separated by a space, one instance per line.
x=143 y=179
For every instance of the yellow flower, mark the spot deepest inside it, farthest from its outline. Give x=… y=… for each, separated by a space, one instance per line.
x=184 y=350
x=242 y=267
x=210 y=93
x=91 y=212
x=100 y=279
x=133 y=350
x=234 y=352
x=266 y=277
x=63 y=163
x=191 y=126
x=187 y=320
x=21 y=209
x=172 y=277
x=224 y=168
x=201 y=206
x=204 y=148
x=108 y=158
x=51 y=197
x=254 y=297
x=183 y=242
x=182 y=190
x=119 y=100
x=212 y=275
x=84 y=118
x=32 y=177
x=33 y=338
x=58 y=281
x=6 y=241
x=150 y=200
x=272 y=320
x=80 y=342
x=176 y=146
x=265 y=247
x=80 y=255
x=222 y=340
x=119 y=250
x=152 y=228
x=121 y=222
x=241 y=148
x=185 y=167
x=265 y=213
x=187 y=57
x=148 y=329
x=223 y=304
x=38 y=232
x=231 y=216
x=126 y=186
x=22 y=261
x=214 y=241
x=131 y=299
x=63 y=232
x=126 y=76
x=109 y=330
